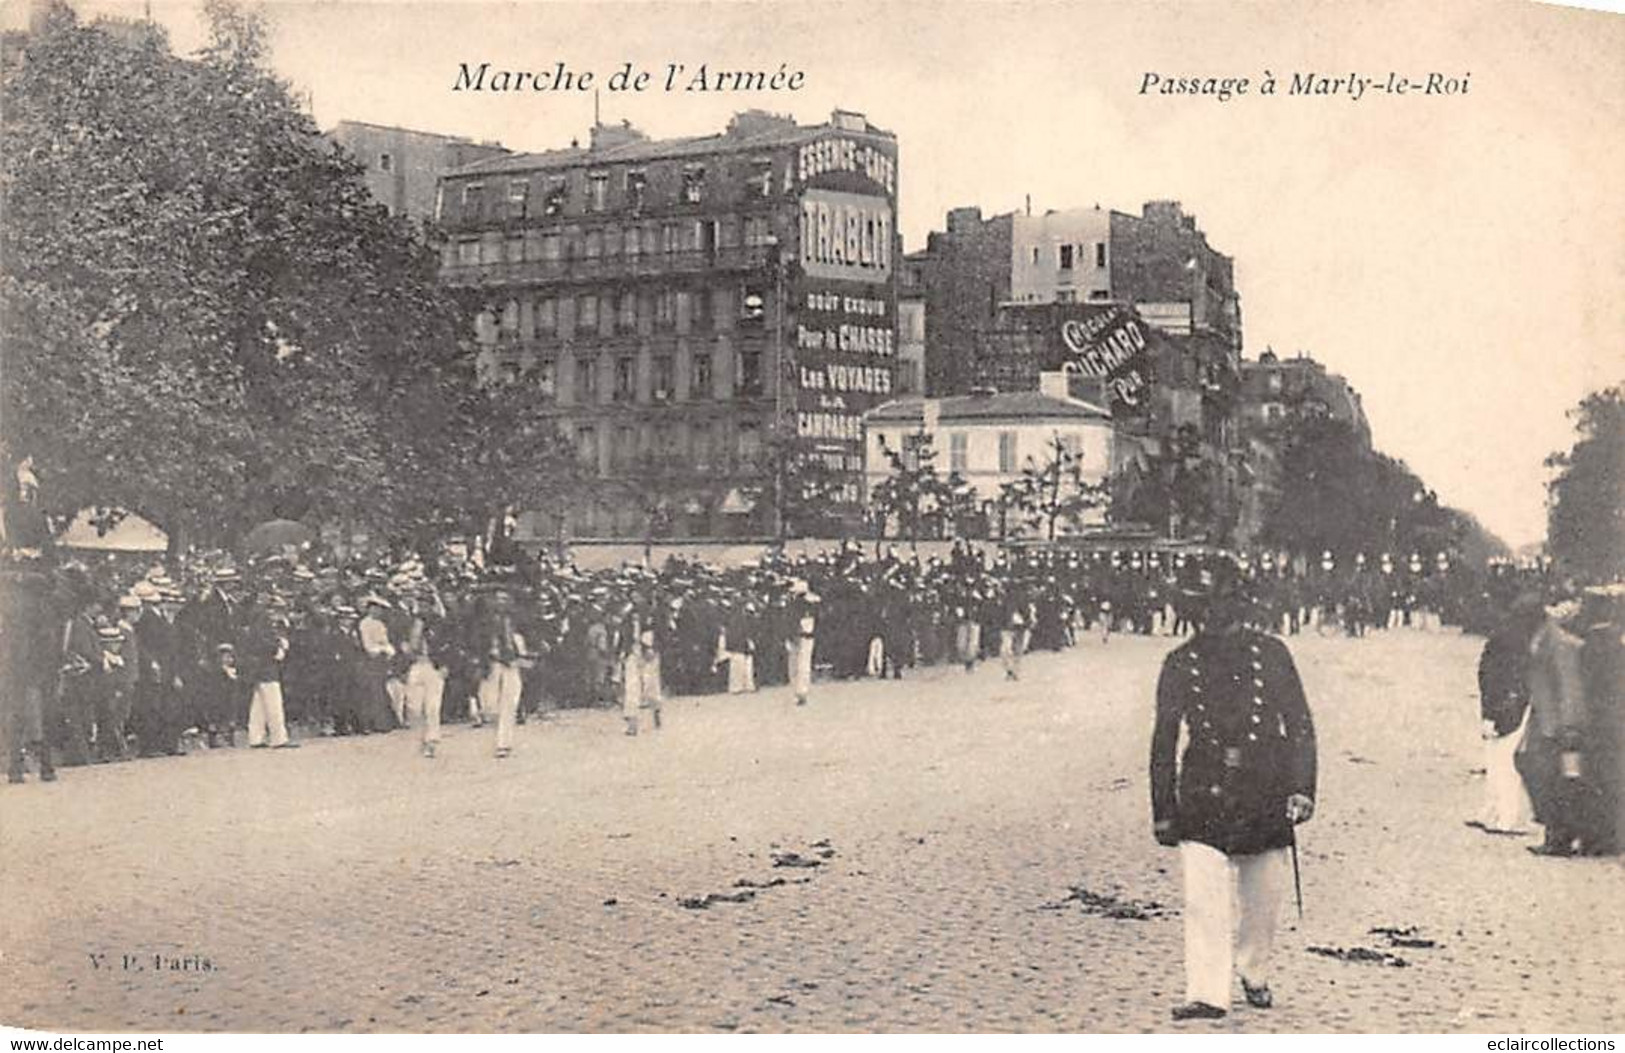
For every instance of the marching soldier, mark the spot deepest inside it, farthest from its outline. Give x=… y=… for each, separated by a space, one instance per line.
x=1246 y=778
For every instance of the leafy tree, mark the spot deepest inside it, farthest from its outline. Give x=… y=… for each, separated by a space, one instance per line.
x=1173 y=489
x=1336 y=494
x=1585 y=515
x=657 y=483
x=205 y=315
x=798 y=489
x=914 y=494
x=1053 y=492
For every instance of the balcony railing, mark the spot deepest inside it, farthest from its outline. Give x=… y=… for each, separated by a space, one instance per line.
x=583 y=268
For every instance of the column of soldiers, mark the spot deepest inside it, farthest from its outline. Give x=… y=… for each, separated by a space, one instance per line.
x=229 y=652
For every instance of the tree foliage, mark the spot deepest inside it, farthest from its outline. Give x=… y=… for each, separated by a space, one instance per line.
x=1170 y=490
x=207 y=319
x=914 y=494
x=1054 y=492
x=1336 y=494
x=1586 y=497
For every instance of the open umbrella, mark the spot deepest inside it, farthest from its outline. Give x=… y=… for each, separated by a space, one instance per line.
x=275 y=535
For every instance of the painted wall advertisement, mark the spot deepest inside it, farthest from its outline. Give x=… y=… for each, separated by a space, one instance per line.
x=1111 y=345
x=844 y=301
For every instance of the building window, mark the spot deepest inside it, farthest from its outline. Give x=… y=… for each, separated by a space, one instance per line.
x=468 y=252
x=750 y=373
x=750 y=441
x=1100 y=294
x=958 y=451
x=634 y=241
x=671 y=238
x=518 y=199
x=385 y=163
x=626 y=378
x=702 y=443
x=1273 y=380
x=665 y=308
x=594 y=245
x=587 y=445
x=473 y=195
x=626 y=446
x=587 y=312
x=552 y=247
x=598 y=191
x=515 y=248
x=636 y=181
x=761 y=177
x=1066 y=296
x=685 y=311
x=1007 y=452
x=547 y=376
x=753 y=306
x=586 y=381
x=694 y=184
x=1100 y=254
x=508 y=324
x=664 y=379
x=758 y=231
x=1066 y=257
x=628 y=320
x=699 y=381
x=547 y=315
x=557 y=194
x=1035 y=255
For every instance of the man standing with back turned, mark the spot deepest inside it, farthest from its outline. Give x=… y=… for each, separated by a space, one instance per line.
x=1246 y=779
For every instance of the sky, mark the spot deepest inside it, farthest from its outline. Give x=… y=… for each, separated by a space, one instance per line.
x=1460 y=259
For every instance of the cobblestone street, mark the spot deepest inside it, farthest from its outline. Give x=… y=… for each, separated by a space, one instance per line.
x=896 y=856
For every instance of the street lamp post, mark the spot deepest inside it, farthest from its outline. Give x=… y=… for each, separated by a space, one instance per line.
x=779 y=429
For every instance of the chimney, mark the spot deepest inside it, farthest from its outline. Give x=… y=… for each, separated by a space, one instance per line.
x=1054 y=384
x=1029 y=204
x=609 y=136
x=964 y=220
x=757 y=122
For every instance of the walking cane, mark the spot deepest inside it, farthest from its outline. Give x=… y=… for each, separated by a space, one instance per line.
x=1297 y=878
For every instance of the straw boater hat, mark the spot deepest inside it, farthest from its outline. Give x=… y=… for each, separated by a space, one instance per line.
x=146 y=592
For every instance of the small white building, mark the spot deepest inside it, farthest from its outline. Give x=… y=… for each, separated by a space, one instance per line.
x=988 y=439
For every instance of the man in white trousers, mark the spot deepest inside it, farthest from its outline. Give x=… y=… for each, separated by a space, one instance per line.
x=267 y=647
x=425 y=682
x=505 y=654
x=800 y=645
x=1503 y=693
x=1231 y=803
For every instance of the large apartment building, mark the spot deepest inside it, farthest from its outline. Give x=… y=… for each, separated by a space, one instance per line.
x=679 y=303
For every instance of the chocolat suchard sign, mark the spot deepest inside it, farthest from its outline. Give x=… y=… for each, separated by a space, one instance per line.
x=1112 y=345
x=844 y=293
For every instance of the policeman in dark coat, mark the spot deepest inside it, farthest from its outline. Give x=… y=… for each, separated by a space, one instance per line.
x=1246 y=778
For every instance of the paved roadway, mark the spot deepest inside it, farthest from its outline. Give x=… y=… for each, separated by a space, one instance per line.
x=355 y=886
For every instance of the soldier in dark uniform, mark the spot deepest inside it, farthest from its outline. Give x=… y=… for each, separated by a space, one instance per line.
x=1246 y=778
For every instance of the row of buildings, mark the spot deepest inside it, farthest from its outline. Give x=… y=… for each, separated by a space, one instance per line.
x=712 y=309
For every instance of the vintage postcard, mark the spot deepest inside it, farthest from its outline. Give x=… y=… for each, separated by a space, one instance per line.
x=780 y=517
